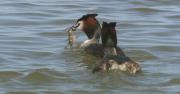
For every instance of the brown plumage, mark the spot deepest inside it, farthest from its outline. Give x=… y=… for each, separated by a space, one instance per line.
x=118 y=61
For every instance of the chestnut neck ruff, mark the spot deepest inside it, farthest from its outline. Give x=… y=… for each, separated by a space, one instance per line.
x=92 y=29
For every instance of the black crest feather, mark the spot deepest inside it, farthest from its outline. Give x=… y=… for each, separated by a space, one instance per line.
x=87 y=16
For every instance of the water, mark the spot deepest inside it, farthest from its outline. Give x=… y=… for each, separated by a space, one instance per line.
x=33 y=59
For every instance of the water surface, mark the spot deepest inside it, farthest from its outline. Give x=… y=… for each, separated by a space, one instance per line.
x=33 y=59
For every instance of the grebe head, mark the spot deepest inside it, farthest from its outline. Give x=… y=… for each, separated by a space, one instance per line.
x=109 y=38
x=88 y=24
x=108 y=33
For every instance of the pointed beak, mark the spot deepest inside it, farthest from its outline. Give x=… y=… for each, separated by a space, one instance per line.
x=76 y=26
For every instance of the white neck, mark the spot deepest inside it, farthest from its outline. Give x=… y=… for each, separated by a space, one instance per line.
x=97 y=33
x=89 y=42
x=94 y=39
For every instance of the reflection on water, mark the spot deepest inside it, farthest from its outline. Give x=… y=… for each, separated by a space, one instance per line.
x=33 y=59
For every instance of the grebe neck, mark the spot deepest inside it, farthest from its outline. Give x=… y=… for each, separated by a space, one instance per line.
x=97 y=33
x=94 y=39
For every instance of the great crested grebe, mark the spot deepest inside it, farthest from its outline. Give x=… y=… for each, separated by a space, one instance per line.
x=92 y=28
x=90 y=25
x=114 y=60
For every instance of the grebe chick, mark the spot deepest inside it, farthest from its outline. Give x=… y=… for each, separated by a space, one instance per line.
x=120 y=63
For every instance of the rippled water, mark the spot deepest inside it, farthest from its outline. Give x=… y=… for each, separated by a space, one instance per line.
x=33 y=59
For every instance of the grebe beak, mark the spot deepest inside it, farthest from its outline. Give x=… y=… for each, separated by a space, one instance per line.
x=79 y=25
x=74 y=27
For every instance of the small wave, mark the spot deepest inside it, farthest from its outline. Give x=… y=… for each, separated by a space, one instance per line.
x=34 y=14
x=52 y=92
x=145 y=10
x=174 y=81
x=44 y=75
x=21 y=92
x=8 y=75
x=18 y=4
x=137 y=2
x=40 y=53
x=177 y=17
x=165 y=48
x=52 y=34
x=141 y=55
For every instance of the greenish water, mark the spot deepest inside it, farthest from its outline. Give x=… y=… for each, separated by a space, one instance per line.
x=33 y=59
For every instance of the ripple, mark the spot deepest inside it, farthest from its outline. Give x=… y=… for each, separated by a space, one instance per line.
x=144 y=10
x=20 y=4
x=44 y=75
x=177 y=17
x=165 y=48
x=141 y=55
x=52 y=34
x=174 y=81
x=8 y=75
x=53 y=92
x=163 y=34
x=137 y=2
x=41 y=53
x=33 y=58
x=21 y=92
x=39 y=14
x=15 y=22
x=38 y=77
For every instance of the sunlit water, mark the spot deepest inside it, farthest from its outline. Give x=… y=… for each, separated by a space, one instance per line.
x=33 y=59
